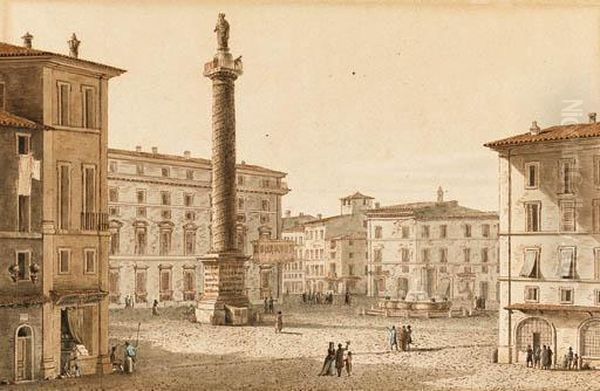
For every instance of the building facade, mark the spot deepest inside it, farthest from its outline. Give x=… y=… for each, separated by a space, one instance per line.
x=549 y=241
x=160 y=214
x=330 y=252
x=438 y=250
x=53 y=234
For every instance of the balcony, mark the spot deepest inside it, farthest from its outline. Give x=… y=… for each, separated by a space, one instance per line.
x=93 y=221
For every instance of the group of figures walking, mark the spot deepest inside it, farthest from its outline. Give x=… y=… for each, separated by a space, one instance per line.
x=323 y=298
x=542 y=358
x=127 y=365
x=400 y=338
x=337 y=360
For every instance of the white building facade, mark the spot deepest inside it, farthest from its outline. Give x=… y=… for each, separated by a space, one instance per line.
x=549 y=241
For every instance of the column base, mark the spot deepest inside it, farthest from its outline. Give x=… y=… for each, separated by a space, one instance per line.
x=224 y=301
x=505 y=355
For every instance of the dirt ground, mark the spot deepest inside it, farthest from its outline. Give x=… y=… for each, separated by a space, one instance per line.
x=176 y=354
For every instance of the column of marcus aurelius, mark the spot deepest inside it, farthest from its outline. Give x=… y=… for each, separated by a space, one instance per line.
x=224 y=300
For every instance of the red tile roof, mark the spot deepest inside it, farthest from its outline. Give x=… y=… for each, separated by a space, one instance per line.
x=8 y=50
x=10 y=120
x=554 y=133
x=430 y=211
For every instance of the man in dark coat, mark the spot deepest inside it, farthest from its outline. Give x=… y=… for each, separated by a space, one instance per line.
x=339 y=358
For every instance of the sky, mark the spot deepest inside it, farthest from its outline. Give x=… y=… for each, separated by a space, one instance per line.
x=392 y=100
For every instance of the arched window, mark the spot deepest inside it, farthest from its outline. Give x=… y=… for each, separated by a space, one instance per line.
x=590 y=339
x=534 y=332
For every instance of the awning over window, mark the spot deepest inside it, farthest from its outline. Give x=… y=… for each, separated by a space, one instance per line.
x=567 y=263
x=443 y=288
x=529 y=263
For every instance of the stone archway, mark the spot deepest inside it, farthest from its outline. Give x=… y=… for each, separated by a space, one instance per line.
x=589 y=339
x=533 y=331
x=24 y=353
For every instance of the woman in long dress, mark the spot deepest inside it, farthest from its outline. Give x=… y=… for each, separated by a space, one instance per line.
x=329 y=364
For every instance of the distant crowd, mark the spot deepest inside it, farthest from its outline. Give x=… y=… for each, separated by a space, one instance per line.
x=323 y=298
x=542 y=358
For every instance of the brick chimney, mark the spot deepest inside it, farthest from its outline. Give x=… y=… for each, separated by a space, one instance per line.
x=187 y=154
x=534 y=129
x=138 y=148
x=592 y=117
x=27 y=39
x=154 y=150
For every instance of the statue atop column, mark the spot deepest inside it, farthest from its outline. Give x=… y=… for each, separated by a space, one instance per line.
x=222 y=30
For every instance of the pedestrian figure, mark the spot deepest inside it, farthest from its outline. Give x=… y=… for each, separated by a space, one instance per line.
x=271 y=305
x=349 y=363
x=402 y=338
x=329 y=364
x=550 y=353
x=347 y=298
x=339 y=358
x=570 y=358
x=576 y=362
x=127 y=301
x=155 y=308
x=279 y=322
x=392 y=338
x=266 y=305
x=544 y=356
x=409 y=340
x=129 y=356
x=529 y=358
x=536 y=356
x=304 y=297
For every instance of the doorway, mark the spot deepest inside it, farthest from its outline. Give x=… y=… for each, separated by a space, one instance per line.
x=24 y=354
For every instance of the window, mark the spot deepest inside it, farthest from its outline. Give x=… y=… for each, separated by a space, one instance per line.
x=596 y=296
x=485 y=255
x=141 y=294
x=532 y=216
x=165 y=242
x=532 y=294
x=467 y=269
x=114 y=241
x=332 y=254
x=64 y=260
x=89 y=189
x=113 y=194
x=596 y=215
x=189 y=284
x=467 y=254
x=566 y=262
x=241 y=218
x=113 y=211
x=443 y=255
x=531 y=263
x=23 y=262
x=165 y=172
x=350 y=255
x=425 y=254
x=485 y=230
x=24 y=213
x=165 y=285
x=566 y=295
x=597 y=170
x=405 y=269
x=264 y=218
x=3 y=96
x=567 y=216
x=443 y=231
x=405 y=255
x=139 y=168
x=64 y=196
x=89 y=257
x=350 y=243
x=112 y=166
x=405 y=232
x=23 y=144
x=140 y=212
x=378 y=232
x=567 y=169
x=113 y=285
x=484 y=269
x=189 y=174
x=240 y=180
x=425 y=232
x=377 y=255
x=189 y=245
x=532 y=175
x=88 y=107
x=467 y=228
x=166 y=214
x=64 y=90
x=240 y=203
x=264 y=205
x=165 y=198
x=265 y=183
x=190 y=215
x=141 y=196
x=597 y=263
x=140 y=241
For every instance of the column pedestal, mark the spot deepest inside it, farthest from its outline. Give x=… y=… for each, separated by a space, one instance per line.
x=224 y=301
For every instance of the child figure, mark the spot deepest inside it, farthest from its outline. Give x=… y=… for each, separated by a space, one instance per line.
x=349 y=363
